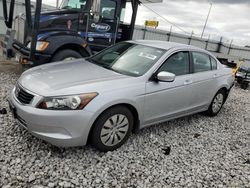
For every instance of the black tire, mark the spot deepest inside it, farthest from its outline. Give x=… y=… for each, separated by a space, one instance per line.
x=25 y=67
x=239 y=80
x=98 y=127
x=211 y=111
x=244 y=85
x=64 y=54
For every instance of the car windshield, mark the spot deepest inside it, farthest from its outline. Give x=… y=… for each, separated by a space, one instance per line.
x=73 y=4
x=128 y=58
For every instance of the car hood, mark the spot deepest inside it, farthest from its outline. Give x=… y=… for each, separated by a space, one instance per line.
x=45 y=80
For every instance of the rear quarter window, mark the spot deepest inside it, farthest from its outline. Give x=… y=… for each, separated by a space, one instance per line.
x=213 y=63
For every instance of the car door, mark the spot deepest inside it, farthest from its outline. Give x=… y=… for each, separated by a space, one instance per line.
x=204 y=79
x=164 y=100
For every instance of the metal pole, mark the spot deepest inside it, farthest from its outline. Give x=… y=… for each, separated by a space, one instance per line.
x=8 y=18
x=219 y=45
x=28 y=14
x=229 y=49
x=5 y=15
x=211 y=4
x=57 y=4
x=135 y=4
x=207 y=42
x=190 y=38
x=35 y=29
x=170 y=33
x=144 y=33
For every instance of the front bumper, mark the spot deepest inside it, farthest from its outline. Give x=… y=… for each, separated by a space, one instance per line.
x=39 y=59
x=24 y=53
x=60 y=128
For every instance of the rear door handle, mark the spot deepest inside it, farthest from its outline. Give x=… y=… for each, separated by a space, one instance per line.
x=187 y=82
x=215 y=75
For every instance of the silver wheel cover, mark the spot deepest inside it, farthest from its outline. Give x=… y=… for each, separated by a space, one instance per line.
x=114 y=130
x=217 y=103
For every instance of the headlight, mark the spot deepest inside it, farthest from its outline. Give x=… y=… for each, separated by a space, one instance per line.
x=74 y=102
x=40 y=45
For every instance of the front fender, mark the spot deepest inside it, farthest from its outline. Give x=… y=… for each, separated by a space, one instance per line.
x=59 y=39
x=114 y=103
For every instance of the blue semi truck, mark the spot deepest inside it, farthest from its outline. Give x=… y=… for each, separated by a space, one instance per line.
x=77 y=29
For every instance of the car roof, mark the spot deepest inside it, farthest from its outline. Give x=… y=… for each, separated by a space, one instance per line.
x=165 y=44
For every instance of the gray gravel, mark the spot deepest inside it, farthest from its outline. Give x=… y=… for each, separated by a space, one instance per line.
x=205 y=152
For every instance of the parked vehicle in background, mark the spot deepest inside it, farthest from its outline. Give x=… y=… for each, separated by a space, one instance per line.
x=129 y=86
x=243 y=74
x=78 y=28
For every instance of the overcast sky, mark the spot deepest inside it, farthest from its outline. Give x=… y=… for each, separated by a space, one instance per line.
x=228 y=18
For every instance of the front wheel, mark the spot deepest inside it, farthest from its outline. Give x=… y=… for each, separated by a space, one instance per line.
x=65 y=55
x=216 y=103
x=112 y=128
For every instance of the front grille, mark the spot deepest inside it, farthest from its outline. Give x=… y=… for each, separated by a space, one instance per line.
x=23 y=96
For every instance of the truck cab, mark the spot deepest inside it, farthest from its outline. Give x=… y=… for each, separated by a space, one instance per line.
x=77 y=29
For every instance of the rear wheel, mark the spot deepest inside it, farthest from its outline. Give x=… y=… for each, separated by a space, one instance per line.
x=216 y=103
x=112 y=128
x=67 y=54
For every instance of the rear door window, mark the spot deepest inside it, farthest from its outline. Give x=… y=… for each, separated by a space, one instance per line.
x=201 y=62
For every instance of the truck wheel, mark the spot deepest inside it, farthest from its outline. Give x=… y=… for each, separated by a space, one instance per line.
x=24 y=67
x=64 y=55
x=239 y=80
x=112 y=128
x=244 y=85
x=216 y=103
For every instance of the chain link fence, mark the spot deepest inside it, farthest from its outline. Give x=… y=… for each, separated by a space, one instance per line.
x=226 y=49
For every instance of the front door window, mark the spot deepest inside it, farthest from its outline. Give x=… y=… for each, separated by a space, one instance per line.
x=177 y=64
x=73 y=4
x=108 y=9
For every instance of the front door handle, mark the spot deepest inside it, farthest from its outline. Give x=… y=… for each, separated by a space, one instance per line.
x=187 y=82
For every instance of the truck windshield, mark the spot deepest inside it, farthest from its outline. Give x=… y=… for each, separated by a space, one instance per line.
x=246 y=66
x=128 y=58
x=73 y=4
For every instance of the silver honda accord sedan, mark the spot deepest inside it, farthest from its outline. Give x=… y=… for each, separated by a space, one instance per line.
x=129 y=86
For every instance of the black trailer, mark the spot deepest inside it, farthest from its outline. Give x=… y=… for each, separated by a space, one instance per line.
x=243 y=75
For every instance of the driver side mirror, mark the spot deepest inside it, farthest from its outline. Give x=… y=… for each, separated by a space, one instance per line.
x=164 y=76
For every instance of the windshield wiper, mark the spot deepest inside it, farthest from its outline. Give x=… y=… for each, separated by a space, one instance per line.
x=99 y=64
x=103 y=65
x=106 y=66
x=93 y=61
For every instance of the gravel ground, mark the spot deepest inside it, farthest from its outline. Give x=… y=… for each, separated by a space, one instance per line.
x=195 y=151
